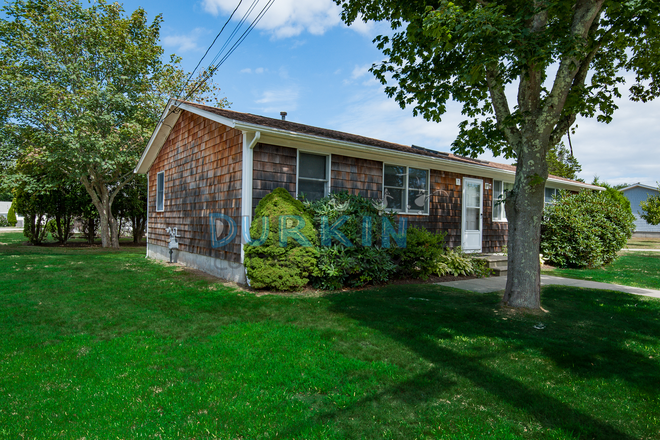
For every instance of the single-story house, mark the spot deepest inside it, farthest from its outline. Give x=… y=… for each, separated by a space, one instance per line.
x=206 y=164
x=638 y=193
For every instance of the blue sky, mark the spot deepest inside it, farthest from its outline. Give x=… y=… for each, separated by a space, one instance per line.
x=303 y=60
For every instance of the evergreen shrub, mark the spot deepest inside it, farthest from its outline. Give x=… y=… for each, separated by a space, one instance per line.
x=585 y=229
x=270 y=266
x=11 y=215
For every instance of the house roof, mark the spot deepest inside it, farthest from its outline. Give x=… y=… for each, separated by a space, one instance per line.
x=639 y=185
x=253 y=123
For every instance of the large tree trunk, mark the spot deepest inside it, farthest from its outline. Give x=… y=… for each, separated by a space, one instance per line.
x=524 y=212
x=102 y=200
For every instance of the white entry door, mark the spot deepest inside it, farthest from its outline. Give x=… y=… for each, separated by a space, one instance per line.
x=472 y=214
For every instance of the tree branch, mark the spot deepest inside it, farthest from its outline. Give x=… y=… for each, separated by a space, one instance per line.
x=587 y=13
x=501 y=106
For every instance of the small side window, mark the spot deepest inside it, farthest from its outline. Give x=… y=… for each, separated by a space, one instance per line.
x=499 y=194
x=160 y=191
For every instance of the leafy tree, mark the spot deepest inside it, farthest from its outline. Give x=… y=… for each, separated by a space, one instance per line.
x=83 y=88
x=131 y=205
x=564 y=58
x=33 y=206
x=562 y=163
x=651 y=209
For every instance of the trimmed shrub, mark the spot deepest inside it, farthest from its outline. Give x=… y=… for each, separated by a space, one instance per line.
x=420 y=256
x=357 y=265
x=271 y=266
x=585 y=229
x=11 y=215
x=4 y=222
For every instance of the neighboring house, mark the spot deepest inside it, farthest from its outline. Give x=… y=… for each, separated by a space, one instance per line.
x=4 y=210
x=638 y=193
x=205 y=165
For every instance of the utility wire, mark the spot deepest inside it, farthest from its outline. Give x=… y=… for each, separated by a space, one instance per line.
x=215 y=63
x=178 y=95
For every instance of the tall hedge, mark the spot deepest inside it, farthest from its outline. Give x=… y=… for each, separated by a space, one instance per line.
x=270 y=265
x=585 y=229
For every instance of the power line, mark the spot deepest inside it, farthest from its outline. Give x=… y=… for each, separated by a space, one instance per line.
x=178 y=95
x=215 y=64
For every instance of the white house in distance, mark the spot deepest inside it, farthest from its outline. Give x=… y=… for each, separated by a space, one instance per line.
x=638 y=193
x=4 y=210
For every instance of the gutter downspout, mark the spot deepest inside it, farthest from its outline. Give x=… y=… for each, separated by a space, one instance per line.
x=247 y=177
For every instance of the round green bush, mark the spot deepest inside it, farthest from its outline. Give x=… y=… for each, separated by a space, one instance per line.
x=585 y=229
x=3 y=221
x=271 y=266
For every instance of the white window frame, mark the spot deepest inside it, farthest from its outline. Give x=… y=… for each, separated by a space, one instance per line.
x=404 y=202
x=502 y=216
x=554 y=194
x=328 y=169
x=160 y=191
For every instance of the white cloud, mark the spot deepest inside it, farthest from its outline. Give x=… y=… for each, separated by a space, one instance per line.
x=625 y=151
x=275 y=101
x=360 y=71
x=185 y=43
x=286 y=18
x=258 y=70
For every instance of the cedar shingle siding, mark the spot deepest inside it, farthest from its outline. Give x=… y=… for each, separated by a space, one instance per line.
x=202 y=164
x=276 y=167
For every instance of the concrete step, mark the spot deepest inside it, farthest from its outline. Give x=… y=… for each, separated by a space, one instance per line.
x=498 y=263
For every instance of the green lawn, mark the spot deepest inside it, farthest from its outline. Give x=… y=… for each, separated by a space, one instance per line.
x=107 y=344
x=637 y=269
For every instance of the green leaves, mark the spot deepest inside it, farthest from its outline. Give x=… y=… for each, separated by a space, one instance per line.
x=651 y=209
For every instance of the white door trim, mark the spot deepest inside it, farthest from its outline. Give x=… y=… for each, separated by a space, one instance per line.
x=469 y=238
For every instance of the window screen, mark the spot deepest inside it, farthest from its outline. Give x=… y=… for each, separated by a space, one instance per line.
x=160 y=191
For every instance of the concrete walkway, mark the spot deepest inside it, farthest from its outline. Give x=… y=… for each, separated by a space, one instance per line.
x=10 y=229
x=494 y=284
x=640 y=250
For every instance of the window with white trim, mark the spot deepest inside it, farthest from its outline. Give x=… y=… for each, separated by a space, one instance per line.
x=160 y=191
x=499 y=194
x=313 y=176
x=550 y=194
x=406 y=189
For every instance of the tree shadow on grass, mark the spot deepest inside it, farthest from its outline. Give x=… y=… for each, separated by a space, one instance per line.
x=587 y=333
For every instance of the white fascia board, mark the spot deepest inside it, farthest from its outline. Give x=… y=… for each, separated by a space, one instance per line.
x=167 y=121
x=639 y=185
x=208 y=115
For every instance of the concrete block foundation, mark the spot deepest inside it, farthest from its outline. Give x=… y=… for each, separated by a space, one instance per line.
x=226 y=270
